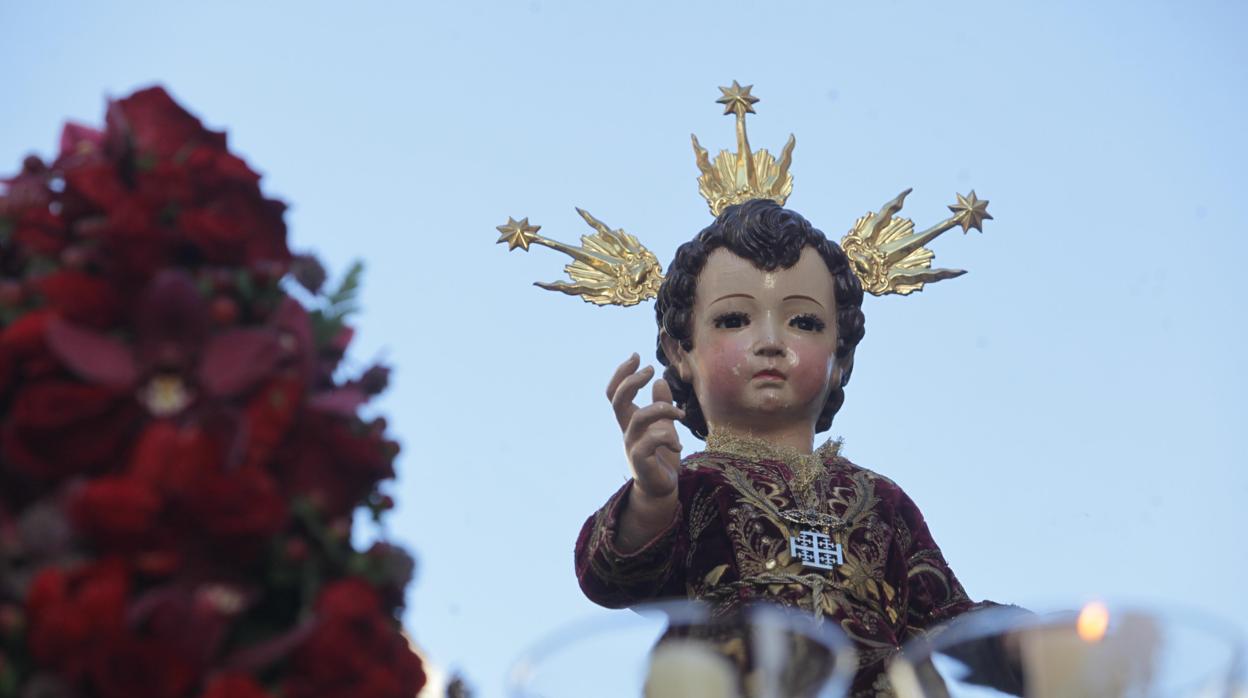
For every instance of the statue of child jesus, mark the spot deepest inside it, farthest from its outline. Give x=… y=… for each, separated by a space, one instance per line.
x=758 y=319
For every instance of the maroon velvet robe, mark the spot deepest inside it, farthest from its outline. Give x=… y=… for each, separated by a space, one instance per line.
x=729 y=545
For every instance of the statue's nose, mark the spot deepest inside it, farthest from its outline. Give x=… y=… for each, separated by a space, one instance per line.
x=769 y=342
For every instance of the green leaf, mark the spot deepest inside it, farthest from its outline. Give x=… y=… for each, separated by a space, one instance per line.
x=39 y=265
x=350 y=286
x=325 y=328
x=169 y=214
x=145 y=162
x=245 y=285
x=358 y=565
x=8 y=678
x=311 y=580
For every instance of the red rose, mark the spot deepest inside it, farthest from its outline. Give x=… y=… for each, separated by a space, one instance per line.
x=237 y=228
x=234 y=685
x=242 y=505
x=157 y=126
x=24 y=350
x=83 y=298
x=214 y=169
x=355 y=650
x=75 y=614
x=115 y=511
x=159 y=454
x=38 y=231
x=78 y=140
x=363 y=449
x=167 y=183
x=95 y=186
x=333 y=461
x=130 y=667
x=187 y=466
x=269 y=416
x=60 y=427
x=29 y=190
x=348 y=600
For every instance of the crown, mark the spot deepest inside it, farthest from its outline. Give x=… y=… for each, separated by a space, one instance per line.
x=612 y=267
x=745 y=175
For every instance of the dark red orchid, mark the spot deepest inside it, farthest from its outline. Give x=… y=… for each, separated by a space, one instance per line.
x=174 y=359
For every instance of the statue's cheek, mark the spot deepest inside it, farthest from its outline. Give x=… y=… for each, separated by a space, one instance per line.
x=811 y=368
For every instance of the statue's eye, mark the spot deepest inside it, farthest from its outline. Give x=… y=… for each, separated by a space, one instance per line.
x=732 y=321
x=807 y=323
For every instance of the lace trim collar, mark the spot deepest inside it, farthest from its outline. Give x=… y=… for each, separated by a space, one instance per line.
x=753 y=448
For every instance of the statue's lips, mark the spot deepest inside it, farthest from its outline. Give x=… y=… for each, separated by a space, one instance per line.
x=770 y=374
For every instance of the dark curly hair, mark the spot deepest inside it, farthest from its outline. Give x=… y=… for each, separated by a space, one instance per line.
x=772 y=237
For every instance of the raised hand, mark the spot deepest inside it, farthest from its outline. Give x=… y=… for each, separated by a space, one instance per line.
x=653 y=450
x=650 y=438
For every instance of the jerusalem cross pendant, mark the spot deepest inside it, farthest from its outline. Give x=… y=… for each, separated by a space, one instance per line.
x=816 y=549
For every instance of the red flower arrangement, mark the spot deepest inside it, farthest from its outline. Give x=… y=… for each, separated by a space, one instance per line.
x=179 y=461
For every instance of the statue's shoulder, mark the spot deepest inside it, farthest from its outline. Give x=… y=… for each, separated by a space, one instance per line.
x=704 y=461
x=883 y=484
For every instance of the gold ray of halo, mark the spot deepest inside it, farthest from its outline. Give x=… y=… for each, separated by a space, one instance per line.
x=889 y=257
x=610 y=267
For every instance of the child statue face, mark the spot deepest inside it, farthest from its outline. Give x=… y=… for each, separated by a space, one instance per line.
x=764 y=343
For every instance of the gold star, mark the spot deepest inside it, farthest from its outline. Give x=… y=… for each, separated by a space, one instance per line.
x=970 y=212
x=518 y=233
x=737 y=99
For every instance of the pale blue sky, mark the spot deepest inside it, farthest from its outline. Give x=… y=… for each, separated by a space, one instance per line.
x=1068 y=415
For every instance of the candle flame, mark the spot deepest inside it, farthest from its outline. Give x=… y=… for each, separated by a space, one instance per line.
x=1093 y=622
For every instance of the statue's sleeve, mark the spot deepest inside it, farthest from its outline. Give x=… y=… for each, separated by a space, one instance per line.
x=937 y=599
x=935 y=594
x=615 y=579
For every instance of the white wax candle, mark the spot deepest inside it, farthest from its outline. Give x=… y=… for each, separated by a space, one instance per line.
x=690 y=669
x=1060 y=663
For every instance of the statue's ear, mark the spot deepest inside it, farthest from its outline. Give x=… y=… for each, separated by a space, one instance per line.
x=676 y=356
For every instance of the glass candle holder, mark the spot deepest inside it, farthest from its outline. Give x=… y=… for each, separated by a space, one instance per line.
x=1098 y=651
x=681 y=649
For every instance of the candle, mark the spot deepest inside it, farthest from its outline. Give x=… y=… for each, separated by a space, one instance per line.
x=1091 y=659
x=689 y=669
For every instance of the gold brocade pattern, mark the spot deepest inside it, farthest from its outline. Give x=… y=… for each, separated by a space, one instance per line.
x=740 y=502
x=762 y=520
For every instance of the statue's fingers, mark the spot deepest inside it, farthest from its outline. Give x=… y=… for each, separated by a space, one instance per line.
x=622 y=400
x=669 y=456
x=668 y=436
x=643 y=418
x=661 y=391
x=654 y=441
x=624 y=370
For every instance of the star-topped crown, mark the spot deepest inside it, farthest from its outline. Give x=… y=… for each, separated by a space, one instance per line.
x=612 y=267
x=735 y=178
